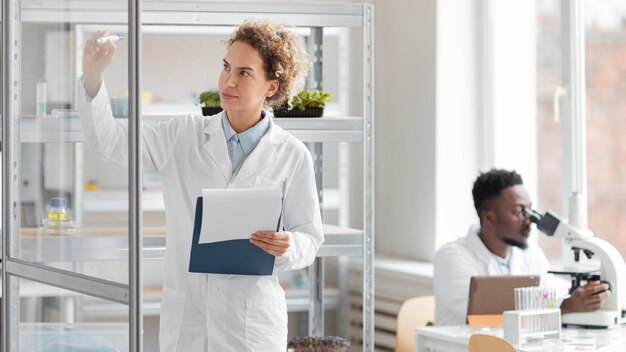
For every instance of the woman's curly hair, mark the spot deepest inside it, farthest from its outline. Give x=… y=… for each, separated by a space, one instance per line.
x=284 y=55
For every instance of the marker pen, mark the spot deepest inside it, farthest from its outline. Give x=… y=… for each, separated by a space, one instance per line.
x=113 y=38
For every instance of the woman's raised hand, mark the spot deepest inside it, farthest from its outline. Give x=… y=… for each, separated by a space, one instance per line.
x=96 y=58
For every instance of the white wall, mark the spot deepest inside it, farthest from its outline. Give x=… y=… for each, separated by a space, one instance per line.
x=426 y=124
x=430 y=115
x=405 y=76
x=458 y=124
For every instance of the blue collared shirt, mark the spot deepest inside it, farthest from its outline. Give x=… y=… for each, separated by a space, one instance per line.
x=504 y=264
x=242 y=144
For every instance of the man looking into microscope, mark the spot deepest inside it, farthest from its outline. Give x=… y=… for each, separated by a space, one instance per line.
x=498 y=246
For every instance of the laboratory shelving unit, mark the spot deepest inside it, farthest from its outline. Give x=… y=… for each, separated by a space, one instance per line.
x=316 y=130
x=88 y=244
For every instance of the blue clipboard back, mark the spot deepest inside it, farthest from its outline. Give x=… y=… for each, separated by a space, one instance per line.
x=234 y=257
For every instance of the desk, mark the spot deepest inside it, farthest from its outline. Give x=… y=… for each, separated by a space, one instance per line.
x=456 y=338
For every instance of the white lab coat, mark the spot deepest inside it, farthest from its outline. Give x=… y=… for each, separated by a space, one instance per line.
x=209 y=312
x=456 y=262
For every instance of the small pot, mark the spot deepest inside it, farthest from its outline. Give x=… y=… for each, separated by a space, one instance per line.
x=318 y=349
x=211 y=110
x=318 y=344
x=308 y=112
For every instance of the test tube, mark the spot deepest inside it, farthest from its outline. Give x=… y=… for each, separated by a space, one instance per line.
x=537 y=305
x=533 y=306
x=40 y=107
x=526 y=298
x=524 y=323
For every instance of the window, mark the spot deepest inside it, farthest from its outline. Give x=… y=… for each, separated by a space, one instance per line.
x=549 y=152
x=606 y=119
x=605 y=50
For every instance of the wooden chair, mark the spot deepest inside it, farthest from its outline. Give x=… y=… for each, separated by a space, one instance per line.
x=414 y=312
x=489 y=343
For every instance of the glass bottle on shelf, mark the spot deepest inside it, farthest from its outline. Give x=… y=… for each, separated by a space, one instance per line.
x=58 y=221
x=57 y=209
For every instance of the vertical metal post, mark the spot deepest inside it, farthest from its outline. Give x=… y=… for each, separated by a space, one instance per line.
x=134 y=177
x=343 y=184
x=574 y=126
x=79 y=182
x=343 y=273
x=368 y=171
x=484 y=9
x=316 y=271
x=6 y=167
x=10 y=172
x=316 y=303
x=77 y=205
x=316 y=50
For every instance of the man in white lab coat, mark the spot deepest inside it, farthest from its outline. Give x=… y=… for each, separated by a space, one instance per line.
x=497 y=247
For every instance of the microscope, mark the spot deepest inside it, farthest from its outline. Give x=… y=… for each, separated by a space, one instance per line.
x=612 y=269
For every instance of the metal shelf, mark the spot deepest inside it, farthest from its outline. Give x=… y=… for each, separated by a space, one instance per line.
x=94 y=244
x=298 y=300
x=324 y=129
x=50 y=130
x=320 y=129
x=193 y=13
x=341 y=241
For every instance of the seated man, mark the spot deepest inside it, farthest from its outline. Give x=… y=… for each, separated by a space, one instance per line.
x=497 y=247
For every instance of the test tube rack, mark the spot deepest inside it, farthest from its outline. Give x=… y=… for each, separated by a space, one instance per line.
x=523 y=325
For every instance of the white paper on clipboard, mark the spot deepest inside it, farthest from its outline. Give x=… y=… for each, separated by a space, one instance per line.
x=236 y=213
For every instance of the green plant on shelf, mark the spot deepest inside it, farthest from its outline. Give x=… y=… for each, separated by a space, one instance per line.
x=210 y=98
x=311 y=98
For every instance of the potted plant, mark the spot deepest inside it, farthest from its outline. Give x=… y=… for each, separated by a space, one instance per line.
x=307 y=103
x=318 y=344
x=210 y=102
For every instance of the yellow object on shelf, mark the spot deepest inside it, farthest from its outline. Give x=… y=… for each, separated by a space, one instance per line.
x=91 y=186
x=56 y=215
x=147 y=96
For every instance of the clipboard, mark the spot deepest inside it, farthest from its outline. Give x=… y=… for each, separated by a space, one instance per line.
x=233 y=257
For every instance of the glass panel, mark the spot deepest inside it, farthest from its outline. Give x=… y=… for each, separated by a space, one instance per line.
x=549 y=134
x=53 y=319
x=201 y=48
x=606 y=108
x=57 y=169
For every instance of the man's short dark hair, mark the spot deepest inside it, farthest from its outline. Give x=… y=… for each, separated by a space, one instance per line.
x=490 y=184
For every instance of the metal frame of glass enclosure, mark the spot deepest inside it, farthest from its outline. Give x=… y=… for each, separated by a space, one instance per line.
x=339 y=242
x=12 y=266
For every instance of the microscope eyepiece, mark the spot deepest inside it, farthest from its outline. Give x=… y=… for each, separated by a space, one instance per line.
x=533 y=215
x=546 y=223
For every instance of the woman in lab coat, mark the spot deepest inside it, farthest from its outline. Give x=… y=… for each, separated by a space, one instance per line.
x=263 y=64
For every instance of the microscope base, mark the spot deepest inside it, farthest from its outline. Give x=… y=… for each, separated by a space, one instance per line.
x=596 y=319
